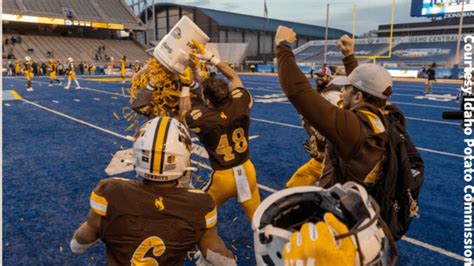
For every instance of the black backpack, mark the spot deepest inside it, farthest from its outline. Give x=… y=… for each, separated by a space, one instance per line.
x=397 y=192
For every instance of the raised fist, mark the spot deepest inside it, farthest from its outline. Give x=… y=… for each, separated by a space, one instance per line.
x=346 y=44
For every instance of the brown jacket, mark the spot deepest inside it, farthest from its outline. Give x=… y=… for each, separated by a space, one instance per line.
x=357 y=137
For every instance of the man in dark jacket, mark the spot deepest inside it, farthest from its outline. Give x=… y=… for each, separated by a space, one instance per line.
x=357 y=134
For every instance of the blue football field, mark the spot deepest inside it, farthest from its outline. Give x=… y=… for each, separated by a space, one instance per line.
x=57 y=143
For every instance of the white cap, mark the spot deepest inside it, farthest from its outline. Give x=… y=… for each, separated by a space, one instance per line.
x=369 y=78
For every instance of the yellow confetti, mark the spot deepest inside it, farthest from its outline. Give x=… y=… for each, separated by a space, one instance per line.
x=134 y=124
x=116 y=116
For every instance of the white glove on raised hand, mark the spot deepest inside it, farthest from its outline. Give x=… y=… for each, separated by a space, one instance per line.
x=199 y=51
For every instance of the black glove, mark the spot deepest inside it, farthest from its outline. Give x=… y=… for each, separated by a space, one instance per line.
x=314 y=153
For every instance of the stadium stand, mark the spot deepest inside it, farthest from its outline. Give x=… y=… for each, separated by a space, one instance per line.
x=423 y=53
x=406 y=51
x=109 y=11
x=81 y=49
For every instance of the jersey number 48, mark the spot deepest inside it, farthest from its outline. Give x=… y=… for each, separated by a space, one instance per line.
x=240 y=144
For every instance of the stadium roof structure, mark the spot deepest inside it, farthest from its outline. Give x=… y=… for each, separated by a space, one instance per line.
x=90 y=13
x=235 y=20
x=241 y=21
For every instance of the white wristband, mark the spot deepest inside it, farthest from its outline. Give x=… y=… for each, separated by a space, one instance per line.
x=214 y=60
x=79 y=248
x=194 y=85
x=150 y=88
x=184 y=91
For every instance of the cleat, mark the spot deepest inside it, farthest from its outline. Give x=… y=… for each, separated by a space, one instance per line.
x=78 y=88
x=29 y=89
x=66 y=88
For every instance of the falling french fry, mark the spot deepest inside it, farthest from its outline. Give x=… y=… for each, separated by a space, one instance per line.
x=117 y=116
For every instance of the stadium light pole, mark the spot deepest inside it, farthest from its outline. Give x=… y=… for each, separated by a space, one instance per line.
x=154 y=19
x=326 y=35
x=458 y=46
x=147 y=41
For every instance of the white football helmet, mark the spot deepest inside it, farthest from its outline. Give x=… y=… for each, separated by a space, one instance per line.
x=69 y=59
x=284 y=212
x=162 y=150
x=27 y=59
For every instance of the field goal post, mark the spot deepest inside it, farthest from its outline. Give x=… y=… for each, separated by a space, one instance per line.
x=375 y=57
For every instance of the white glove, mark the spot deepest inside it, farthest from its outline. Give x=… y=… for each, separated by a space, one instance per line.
x=184 y=91
x=78 y=248
x=200 y=260
x=203 y=54
x=209 y=57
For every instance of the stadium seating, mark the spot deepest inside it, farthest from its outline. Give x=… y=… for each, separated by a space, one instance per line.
x=422 y=53
x=10 y=6
x=334 y=55
x=405 y=52
x=111 y=11
x=81 y=49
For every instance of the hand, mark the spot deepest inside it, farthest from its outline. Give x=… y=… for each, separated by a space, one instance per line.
x=284 y=34
x=199 y=51
x=313 y=152
x=186 y=78
x=317 y=244
x=346 y=44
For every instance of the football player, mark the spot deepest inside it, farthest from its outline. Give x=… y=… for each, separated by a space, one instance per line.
x=310 y=172
x=136 y=67
x=123 y=61
x=222 y=125
x=111 y=66
x=53 y=76
x=71 y=74
x=17 y=67
x=153 y=221
x=28 y=72
x=431 y=77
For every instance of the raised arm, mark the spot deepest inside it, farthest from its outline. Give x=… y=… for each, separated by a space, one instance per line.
x=228 y=72
x=346 y=44
x=340 y=127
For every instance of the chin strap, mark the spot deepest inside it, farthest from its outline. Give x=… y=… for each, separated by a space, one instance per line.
x=376 y=218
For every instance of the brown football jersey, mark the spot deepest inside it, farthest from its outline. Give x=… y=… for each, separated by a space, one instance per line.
x=144 y=224
x=224 y=131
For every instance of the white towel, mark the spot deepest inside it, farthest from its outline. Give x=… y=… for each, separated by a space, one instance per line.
x=242 y=184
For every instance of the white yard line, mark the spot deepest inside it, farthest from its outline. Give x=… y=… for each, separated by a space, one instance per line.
x=432 y=121
x=275 y=123
x=263 y=187
x=78 y=120
x=419 y=148
x=433 y=248
x=440 y=152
